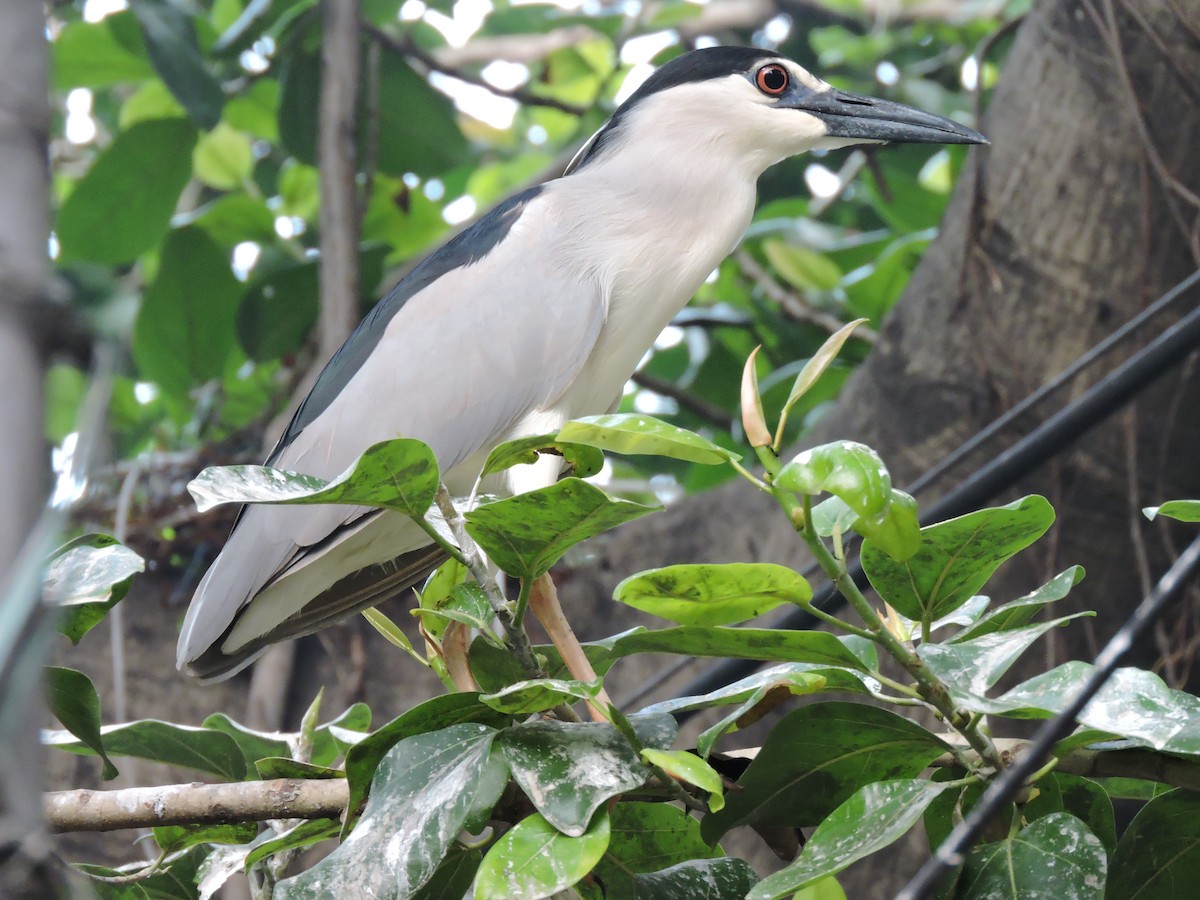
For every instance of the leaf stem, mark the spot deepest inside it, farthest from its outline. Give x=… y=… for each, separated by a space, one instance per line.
x=934 y=692
x=515 y=637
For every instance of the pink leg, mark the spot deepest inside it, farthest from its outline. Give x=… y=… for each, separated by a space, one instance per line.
x=543 y=603
x=456 y=642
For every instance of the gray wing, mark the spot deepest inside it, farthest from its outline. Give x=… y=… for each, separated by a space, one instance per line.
x=494 y=326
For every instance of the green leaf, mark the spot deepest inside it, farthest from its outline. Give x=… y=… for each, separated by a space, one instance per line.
x=184 y=331
x=170 y=36
x=400 y=475
x=303 y=835
x=647 y=837
x=897 y=530
x=87 y=577
x=415 y=126
x=285 y=767
x=972 y=667
x=637 y=434
x=713 y=594
x=100 y=54
x=583 y=459
x=766 y=698
x=433 y=715
x=466 y=603
x=702 y=879
x=533 y=860
x=803 y=268
x=539 y=694
x=122 y=206
x=452 y=878
x=278 y=310
x=685 y=766
x=1158 y=856
x=1020 y=611
x=173 y=838
x=876 y=816
x=845 y=469
x=73 y=700
x=768 y=644
x=223 y=157
x=426 y=789
x=254 y=745
x=1089 y=802
x=816 y=758
x=1056 y=856
x=956 y=557
x=1183 y=510
x=813 y=370
x=231 y=219
x=201 y=749
x=569 y=769
x=527 y=534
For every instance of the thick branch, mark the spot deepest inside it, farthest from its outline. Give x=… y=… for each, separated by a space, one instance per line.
x=196 y=804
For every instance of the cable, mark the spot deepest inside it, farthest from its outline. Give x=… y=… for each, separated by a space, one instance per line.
x=1059 y=431
x=1005 y=787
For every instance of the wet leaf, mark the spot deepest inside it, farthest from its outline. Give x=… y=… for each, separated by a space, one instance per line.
x=816 y=758
x=533 y=860
x=637 y=434
x=1056 y=856
x=956 y=557
x=568 y=769
x=527 y=534
x=713 y=594
x=876 y=816
x=400 y=475
x=425 y=791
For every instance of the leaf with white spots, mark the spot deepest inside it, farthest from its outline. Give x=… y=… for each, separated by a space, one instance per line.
x=533 y=860
x=1055 y=858
x=701 y=879
x=1158 y=856
x=568 y=769
x=426 y=790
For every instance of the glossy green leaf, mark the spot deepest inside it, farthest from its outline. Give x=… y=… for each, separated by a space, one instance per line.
x=170 y=35
x=452 y=878
x=569 y=769
x=285 y=767
x=426 y=789
x=956 y=557
x=583 y=459
x=799 y=677
x=1056 y=856
x=184 y=330
x=767 y=697
x=533 y=860
x=400 y=475
x=972 y=667
x=538 y=695
x=813 y=370
x=1158 y=856
x=201 y=749
x=816 y=758
x=72 y=699
x=527 y=534
x=122 y=206
x=1091 y=804
x=688 y=767
x=173 y=838
x=433 y=715
x=466 y=603
x=896 y=531
x=86 y=577
x=1020 y=611
x=768 y=644
x=636 y=434
x=303 y=835
x=876 y=816
x=713 y=594
x=702 y=879
x=177 y=881
x=1183 y=510
x=647 y=837
x=845 y=469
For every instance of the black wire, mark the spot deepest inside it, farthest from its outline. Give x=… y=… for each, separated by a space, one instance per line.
x=1059 y=431
x=1006 y=786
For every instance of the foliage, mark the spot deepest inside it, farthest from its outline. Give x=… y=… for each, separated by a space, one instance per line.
x=187 y=226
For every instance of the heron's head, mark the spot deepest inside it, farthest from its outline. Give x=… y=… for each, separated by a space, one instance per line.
x=742 y=103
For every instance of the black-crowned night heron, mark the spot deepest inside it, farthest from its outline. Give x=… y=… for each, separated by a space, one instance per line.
x=536 y=314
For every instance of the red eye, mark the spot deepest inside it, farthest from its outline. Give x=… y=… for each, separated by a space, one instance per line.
x=772 y=79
